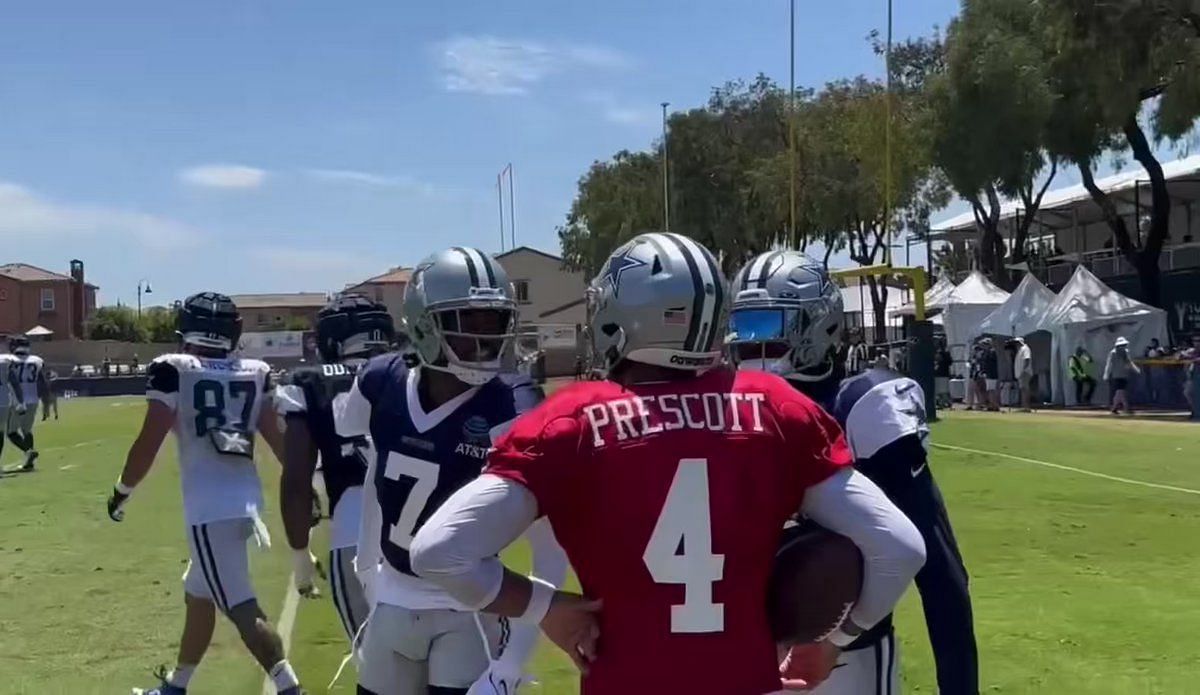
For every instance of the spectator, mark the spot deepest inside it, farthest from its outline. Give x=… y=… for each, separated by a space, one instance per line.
x=991 y=375
x=1192 y=355
x=1023 y=370
x=1153 y=373
x=1117 y=370
x=941 y=373
x=106 y=367
x=1082 y=369
x=133 y=363
x=976 y=389
x=1154 y=351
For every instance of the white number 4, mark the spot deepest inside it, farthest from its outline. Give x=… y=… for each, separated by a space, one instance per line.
x=685 y=522
x=425 y=475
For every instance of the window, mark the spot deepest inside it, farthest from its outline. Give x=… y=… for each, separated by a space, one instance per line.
x=262 y=319
x=521 y=287
x=47 y=299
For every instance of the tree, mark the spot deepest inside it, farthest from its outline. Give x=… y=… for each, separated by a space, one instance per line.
x=297 y=323
x=160 y=324
x=1111 y=65
x=116 y=323
x=993 y=107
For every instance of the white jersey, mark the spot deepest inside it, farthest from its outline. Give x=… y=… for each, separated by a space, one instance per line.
x=28 y=369
x=6 y=393
x=217 y=402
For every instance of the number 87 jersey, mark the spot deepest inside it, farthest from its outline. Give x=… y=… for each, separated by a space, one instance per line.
x=669 y=500
x=217 y=402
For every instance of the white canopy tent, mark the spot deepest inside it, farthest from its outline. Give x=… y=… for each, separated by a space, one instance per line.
x=1021 y=313
x=964 y=307
x=940 y=289
x=1091 y=314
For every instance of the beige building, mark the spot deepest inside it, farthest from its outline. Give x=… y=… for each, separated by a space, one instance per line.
x=387 y=289
x=279 y=312
x=548 y=293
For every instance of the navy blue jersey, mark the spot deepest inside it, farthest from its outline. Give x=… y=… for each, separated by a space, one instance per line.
x=424 y=457
x=883 y=415
x=309 y=393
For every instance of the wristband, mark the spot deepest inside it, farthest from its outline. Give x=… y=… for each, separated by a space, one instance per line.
x=123 y=488
x=541 y=594
x=842 y=639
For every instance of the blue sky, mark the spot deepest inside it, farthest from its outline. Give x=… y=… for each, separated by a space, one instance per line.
x=290 y=145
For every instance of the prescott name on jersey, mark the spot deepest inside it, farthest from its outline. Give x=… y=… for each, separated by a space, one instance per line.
x=670 y=499
x=422 y=457
x=213 y=399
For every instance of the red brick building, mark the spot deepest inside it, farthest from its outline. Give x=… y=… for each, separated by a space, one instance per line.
x=32 y=296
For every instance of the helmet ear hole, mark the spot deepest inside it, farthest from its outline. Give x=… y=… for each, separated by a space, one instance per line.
x=610 y=329
x=657 y=267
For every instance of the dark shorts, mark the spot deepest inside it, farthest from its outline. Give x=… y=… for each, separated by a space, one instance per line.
x=1119 y=384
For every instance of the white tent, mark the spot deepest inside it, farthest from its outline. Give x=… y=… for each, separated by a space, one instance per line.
x=1021 y=313
x=1089 y=313
x=940 y=289
x=964 y=307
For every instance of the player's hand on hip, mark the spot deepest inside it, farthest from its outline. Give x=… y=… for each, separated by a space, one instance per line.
x=572 y=622
x=805 y=666
x=116 y=505
x=497 y=681
x=306 y=569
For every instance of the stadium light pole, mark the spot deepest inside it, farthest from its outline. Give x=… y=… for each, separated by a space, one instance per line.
x=500 y=200
x=887 y=145
x=666 y=180
x=143 y=287
x=792 y=127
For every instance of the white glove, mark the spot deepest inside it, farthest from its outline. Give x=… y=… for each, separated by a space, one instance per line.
x=496 y=681
x=306 y=568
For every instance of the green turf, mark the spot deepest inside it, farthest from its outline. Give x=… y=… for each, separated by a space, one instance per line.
x=1081 y=585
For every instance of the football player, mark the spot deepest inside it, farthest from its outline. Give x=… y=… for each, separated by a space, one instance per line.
x=433 y=425
x=787 y=319
x=668 y=485
x=10 y=393
x=215 y=403
x=350 y=329
x=28 y=372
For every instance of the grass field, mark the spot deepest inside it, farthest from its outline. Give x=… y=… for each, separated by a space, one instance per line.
x=1081 y=584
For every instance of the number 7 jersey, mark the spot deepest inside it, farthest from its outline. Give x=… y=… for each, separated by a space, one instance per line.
x=670 y=499
x=213 y=399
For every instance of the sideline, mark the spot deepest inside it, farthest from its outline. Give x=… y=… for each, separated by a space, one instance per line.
x=1059 y=466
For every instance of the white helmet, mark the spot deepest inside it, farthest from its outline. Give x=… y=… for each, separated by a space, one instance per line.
x=445 y=288
x=660 y=300
x=787 y=316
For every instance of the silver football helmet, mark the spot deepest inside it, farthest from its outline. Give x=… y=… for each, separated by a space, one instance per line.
x=460 y=314
x=787 y=317
x=660 y=300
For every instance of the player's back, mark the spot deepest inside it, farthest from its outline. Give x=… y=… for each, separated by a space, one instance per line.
x=28 y=369
x=7 y=361
x=217 y=402
x=670 y=499
x=311 y=392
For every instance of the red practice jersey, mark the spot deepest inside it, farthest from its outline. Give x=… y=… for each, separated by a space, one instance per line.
x=669 y=500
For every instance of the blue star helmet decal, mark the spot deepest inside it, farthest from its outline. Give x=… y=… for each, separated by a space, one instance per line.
x=618 y=264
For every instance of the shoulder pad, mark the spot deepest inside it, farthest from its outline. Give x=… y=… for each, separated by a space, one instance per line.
x=178 y=360
x=379 y=370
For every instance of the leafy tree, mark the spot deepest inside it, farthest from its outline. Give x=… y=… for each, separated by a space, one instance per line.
x=160 y=324
x=1113 y=65
x=297 y=323
x=116 y=323
x=993 y=107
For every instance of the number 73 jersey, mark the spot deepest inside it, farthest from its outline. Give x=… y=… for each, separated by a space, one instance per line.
x=216 y=401
x=669 y=500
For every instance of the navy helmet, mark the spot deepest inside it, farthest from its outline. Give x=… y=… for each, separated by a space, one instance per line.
x=353 y=325
x=210 y=320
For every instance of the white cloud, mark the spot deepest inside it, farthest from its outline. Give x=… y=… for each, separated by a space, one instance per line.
x=223 y=176
x=366 y=178
x=614 y=111
x=28 y=216
x=495 y=66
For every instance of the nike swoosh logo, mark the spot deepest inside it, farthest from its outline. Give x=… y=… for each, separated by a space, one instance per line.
x=917 y=471
x=902 y=389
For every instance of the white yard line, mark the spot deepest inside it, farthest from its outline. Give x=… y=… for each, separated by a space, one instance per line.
x=287 y=619
x=91 y=442
x=1072 y=469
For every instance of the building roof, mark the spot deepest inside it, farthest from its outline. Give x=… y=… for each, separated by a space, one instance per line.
x=532 y=250
x=287 y=299
x=30 y=273
x=398 y=275
x=1180 y=175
